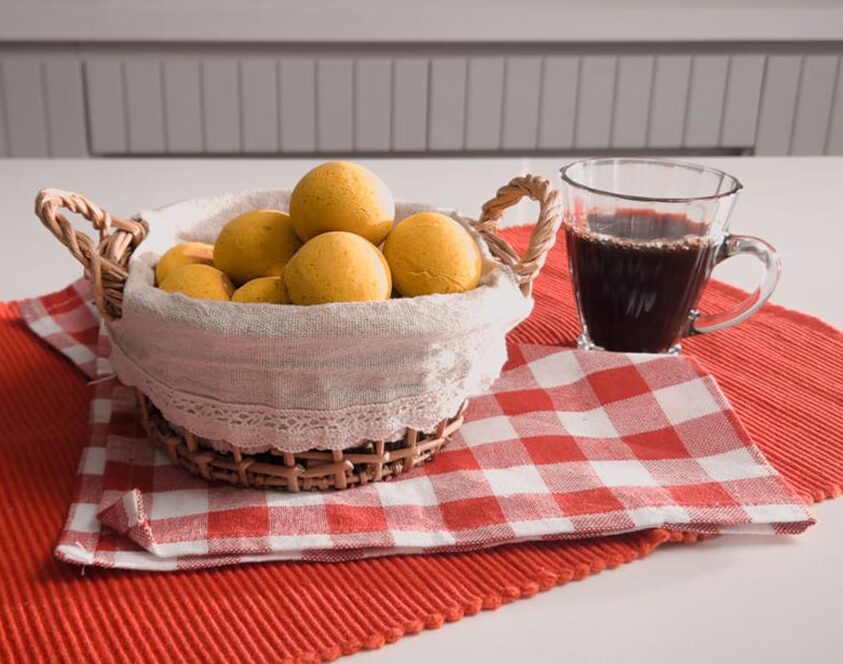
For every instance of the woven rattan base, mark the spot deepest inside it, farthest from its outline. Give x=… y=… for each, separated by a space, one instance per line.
x=313 y=470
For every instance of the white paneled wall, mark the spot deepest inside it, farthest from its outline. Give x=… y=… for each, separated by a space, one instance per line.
x=558 y=108
x=669 y=100
x=522 y=91
x=373 y=105
x=742 y=96
x=297 y=105
x=595 y=99
x=259 y=106
x=778 y=104
x=484 y=100
x=411 y=78
x=182 y=105
x=834 y=143
x=42 y=109
x=813 y=104
x=706 y=95
x=633 y=88
x=446 y=103
x=335 y=104
x=191 y=100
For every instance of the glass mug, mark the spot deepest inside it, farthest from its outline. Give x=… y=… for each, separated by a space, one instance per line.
x=643 y=236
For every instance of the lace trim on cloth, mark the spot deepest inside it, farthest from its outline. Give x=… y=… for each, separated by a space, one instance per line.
x=255 y=428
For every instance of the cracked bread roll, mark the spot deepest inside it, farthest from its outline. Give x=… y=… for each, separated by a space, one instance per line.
x=430 y=253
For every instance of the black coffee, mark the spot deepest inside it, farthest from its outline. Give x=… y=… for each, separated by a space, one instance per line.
x=636 y=294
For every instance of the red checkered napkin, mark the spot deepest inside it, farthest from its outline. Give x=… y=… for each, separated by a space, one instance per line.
x=568 y=444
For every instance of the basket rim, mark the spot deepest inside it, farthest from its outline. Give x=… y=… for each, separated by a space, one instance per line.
x=499 y=285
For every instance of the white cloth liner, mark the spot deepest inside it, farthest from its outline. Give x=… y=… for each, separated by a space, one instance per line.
x=261 y=376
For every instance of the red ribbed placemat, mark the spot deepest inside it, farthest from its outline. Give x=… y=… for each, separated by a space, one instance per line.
x=782 y=371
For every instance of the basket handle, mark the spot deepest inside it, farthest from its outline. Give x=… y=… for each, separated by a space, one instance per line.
x=106 y=261
x=543 y=237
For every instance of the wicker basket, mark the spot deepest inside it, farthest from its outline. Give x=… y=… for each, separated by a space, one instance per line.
x=106 y=264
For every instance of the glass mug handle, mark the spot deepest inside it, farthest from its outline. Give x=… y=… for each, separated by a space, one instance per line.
x=735 y=245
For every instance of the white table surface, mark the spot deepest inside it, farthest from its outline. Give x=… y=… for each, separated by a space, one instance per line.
x=733 y=599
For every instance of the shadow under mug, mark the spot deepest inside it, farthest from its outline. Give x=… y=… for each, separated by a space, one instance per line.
x=643 y=236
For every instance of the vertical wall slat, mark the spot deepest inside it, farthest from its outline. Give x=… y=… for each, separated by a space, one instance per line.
x=4 y=145
x=65 y=107
x=743 y=93
x=409 y=103
x=632 y=101
x=106 y=106
x=668 y=101
x=484 y=98
x=373 y=104
x=25 y=107
x=595 y=101
x=183 y=106
x=297 y=83
x=559 y=102
x=335 y=105
x=522 y=98
x=447 y=103
x=145 y=105
x=259 y=101
x=813 y=104
x=778 y=104
x=834 y=144
x=221 y=105
x=705 y=100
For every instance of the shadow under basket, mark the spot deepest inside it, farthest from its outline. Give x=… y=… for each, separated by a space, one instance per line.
x=297 y=471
